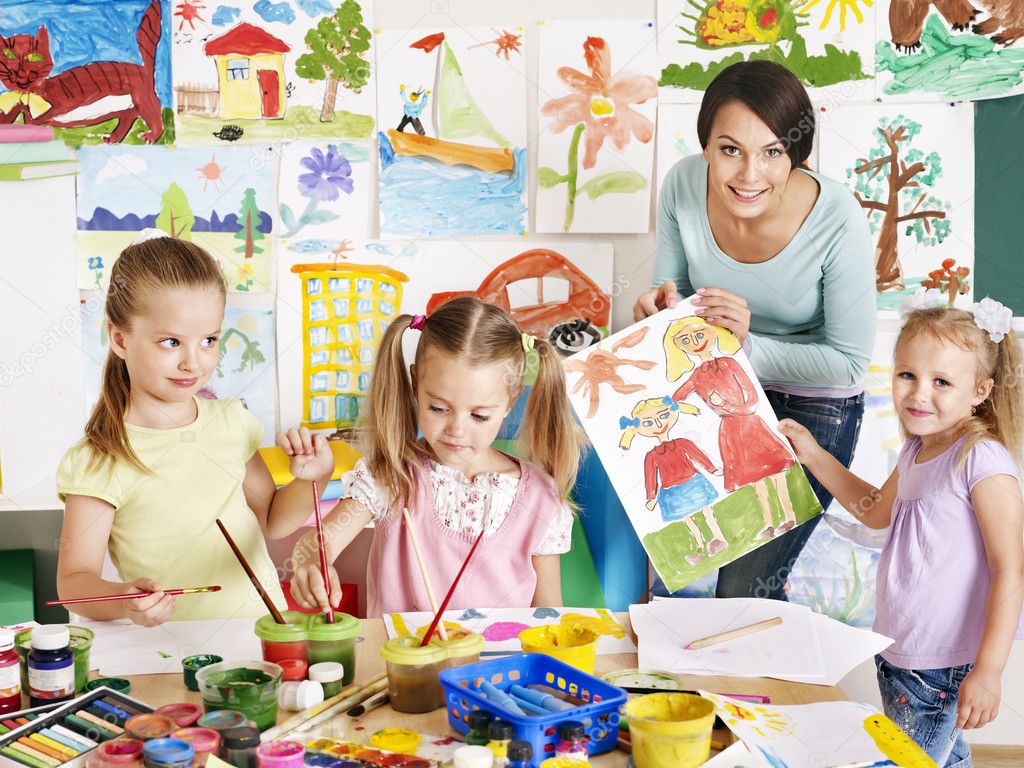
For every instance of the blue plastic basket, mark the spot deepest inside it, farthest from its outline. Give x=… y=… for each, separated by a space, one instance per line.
x=600 y=717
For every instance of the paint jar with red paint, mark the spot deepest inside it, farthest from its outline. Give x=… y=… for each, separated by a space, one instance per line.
x=280 y=754
x=413 y=685
x=10 y=679
x=285 y=644
x=118 y=753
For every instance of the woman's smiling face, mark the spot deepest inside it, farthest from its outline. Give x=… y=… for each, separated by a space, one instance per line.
x=748 y=167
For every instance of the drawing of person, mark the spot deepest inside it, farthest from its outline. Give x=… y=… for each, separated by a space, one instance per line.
x=683 y=490
x=751 y=452
x=412 y=107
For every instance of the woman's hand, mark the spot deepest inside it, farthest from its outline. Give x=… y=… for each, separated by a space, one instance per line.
x=724 y=308
x=152 y=609
x=311 y=456
x=664 y=296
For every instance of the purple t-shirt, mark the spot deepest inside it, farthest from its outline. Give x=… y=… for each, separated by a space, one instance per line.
x=933 y=578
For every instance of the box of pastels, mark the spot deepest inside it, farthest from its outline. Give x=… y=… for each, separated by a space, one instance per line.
x=65 y=735
x=536 y=685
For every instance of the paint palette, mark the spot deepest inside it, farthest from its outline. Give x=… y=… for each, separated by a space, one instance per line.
x=63 y=734
x=331 y=753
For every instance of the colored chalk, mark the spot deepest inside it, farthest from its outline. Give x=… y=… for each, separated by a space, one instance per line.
x=116 y=711
x=102 y=722
x=35 y=754
x=22 y=758
x=61 y=749
x=78 y=746
x=88 y=728
x=74 y=736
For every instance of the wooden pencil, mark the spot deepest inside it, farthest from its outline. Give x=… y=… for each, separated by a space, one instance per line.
x=252 y=576
x=423 y=572
x=732 y=634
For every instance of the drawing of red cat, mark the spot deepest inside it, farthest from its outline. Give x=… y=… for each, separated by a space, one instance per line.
x=84 y=95
x=1005 y=22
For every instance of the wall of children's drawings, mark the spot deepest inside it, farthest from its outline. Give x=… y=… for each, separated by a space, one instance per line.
x=344 y=168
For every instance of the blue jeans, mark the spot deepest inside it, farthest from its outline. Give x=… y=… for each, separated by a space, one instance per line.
x=923 y=702
x=835 y=424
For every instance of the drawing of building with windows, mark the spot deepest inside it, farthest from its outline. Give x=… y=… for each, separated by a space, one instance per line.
x=345 y=310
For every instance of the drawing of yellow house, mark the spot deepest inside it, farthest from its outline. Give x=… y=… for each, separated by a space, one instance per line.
x=250 y=72
x=345 y=310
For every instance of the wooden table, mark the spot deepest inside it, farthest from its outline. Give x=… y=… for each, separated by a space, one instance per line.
x=157 y=690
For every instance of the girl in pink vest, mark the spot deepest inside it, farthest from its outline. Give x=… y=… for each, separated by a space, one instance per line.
x=470 y=363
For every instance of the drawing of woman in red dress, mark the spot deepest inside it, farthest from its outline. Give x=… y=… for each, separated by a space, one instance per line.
x=751 y=452
x=670 y=475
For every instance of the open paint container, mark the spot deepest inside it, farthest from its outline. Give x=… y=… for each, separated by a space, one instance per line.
x=670 y=730
x=310 y=640
x=249 y=687
x=572 y=644
x=81 y=644
x=413 y=685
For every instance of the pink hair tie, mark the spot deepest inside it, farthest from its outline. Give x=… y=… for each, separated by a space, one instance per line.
x=418 y=321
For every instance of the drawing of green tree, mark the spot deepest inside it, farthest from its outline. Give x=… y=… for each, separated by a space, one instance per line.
x=893 y=184
x=251 y=354
x=338 y=49
x=176 y=217
x=250 y=218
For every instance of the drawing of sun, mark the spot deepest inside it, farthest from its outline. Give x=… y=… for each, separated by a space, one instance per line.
x=844 y=5
x=211 y=173
x=506 y=42
x=764 y=720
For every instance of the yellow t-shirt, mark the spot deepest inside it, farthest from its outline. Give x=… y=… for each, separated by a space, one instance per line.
x=164 y=521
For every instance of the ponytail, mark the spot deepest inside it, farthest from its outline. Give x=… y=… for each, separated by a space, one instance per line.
x=1001 y=415
x=105 y=431
x=389 y=417
x=550 y=435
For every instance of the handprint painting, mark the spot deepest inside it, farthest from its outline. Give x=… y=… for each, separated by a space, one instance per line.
x=689 y=442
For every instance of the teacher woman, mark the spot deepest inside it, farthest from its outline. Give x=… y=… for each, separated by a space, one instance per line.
x=780 y=256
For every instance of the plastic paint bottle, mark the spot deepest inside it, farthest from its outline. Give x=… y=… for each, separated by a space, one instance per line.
x=51 y=665
x=329 y=674
x=10 y=677
x=280 y=754
x=297 y=696
x=500 y=733
x=478 y=721
x=239 y=745
x=167 y=753
x=520 y=754
x=571 y=743
x=473 y=756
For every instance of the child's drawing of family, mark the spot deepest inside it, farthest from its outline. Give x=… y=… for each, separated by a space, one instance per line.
x=751 y=453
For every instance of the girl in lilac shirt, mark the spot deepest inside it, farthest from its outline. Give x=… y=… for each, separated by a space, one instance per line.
x=951 y=575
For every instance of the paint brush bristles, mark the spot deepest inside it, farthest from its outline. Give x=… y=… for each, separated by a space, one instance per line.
x=423 y=572
x=252 y=576
x=343 y=701
x=133 y=595
x=451 y=589
x=324 y=568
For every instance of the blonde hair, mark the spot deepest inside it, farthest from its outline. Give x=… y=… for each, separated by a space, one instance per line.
x=477 y=334
x=678 y=362
x=651 y=403
x=1001 y=415
x=140 y=271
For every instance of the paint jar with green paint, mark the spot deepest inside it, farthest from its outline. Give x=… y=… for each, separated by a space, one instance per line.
x=249 y=687
x=81 y=644
x=334 y=642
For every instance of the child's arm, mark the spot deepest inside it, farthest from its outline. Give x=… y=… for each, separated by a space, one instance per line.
x=280 y=511
x=870 y=505
x=341 y=525
x=549 y=580
x=83 y=543
x=997 y=505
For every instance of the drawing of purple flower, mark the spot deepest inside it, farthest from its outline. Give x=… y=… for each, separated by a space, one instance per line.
x=329 y=175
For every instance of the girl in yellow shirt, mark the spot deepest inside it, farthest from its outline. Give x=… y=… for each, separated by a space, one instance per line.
x=158 y=464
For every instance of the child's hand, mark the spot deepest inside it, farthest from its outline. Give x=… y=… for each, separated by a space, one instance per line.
x=150 y=610
x=978 y=703
x=803 y=442
x=311 y=456
x=308 y=586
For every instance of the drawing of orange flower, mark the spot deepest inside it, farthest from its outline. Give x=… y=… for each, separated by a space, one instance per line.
x=602 y=102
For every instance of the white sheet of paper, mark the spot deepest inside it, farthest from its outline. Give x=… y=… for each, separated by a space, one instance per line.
x=501 y=626
x=842 y=648
x=665 y=626
x=121 y=648
x=828 y=733
x=737 y=755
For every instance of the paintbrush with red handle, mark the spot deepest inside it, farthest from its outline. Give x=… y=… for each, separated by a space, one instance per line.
x=324 y=568
x=133 y=595
x=451 y=590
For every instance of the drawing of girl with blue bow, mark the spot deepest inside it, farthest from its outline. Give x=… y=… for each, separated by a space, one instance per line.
x=670 y=475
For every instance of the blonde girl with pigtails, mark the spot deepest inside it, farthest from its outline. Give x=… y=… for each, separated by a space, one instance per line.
x=428 y=430
x=950 y=577
x=670 y=475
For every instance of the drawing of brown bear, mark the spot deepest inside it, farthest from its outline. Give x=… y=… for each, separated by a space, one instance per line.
x=1005 y=22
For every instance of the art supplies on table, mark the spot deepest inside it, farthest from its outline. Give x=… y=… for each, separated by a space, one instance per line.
x=134 y=595
x=597 y=702
x=501 y=627
x=345 y=700
x=249 y=687
x=664 y=628
x=824 y=733
x=310 y=640
x=733 y=634
x=77 y=727
x=122 y=648
x=324 y=753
